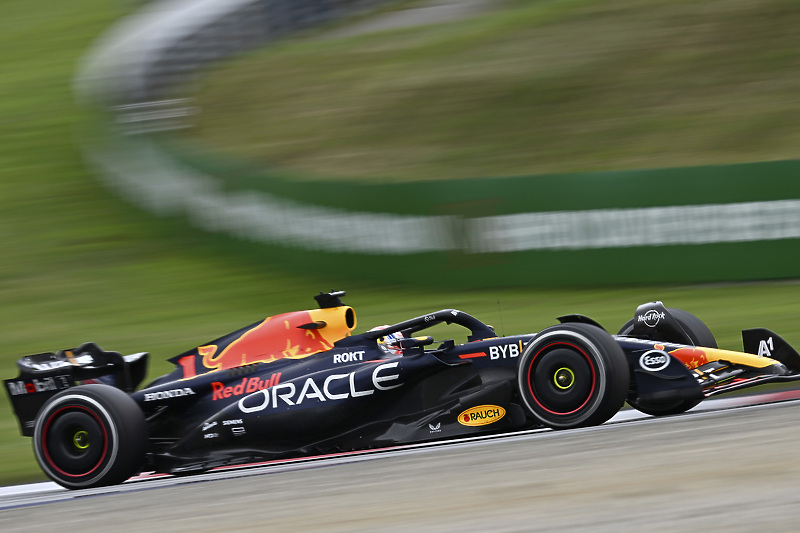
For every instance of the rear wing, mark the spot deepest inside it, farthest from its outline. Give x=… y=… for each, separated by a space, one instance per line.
x=43 y=375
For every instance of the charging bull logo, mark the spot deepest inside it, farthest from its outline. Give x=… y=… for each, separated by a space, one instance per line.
x=277 y=337
x=691 y=357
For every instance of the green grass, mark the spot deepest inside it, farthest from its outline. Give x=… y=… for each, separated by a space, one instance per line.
x=79 y=265
x=534 y=87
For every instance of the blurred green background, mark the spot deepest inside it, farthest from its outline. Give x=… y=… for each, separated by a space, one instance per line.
x=529 y=87
x=604 y=84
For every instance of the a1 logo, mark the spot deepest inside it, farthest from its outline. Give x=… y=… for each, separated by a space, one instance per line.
x=765 y=348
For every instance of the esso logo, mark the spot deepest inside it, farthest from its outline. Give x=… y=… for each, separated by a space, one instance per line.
x=654 y=360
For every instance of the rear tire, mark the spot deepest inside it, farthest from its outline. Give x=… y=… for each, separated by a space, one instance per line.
x=90 y=436
x=573 y=375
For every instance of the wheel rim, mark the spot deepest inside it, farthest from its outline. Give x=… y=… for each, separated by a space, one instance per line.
x=564 y=378
x=561 y=378
x=74 y=441
x=81 y=439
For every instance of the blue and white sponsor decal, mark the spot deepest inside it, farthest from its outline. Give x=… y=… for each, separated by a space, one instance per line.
x=654 y=360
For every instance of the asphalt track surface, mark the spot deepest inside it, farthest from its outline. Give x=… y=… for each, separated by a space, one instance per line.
x=729 y=468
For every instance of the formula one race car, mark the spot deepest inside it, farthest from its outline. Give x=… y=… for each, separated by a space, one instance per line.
x=301 y=383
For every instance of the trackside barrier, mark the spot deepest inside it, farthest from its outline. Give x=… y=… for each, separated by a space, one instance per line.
x=700 y=224
x=165 y=44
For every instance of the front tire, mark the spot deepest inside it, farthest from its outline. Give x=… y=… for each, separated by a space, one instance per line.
x=573 y=375
x=90 y=436
x=675 y=407
x=700 y=335
x=696 y=329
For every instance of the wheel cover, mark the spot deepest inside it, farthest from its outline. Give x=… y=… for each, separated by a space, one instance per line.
x=81 y=439
x=564 y=378
x=74 y=441
x=561 y=378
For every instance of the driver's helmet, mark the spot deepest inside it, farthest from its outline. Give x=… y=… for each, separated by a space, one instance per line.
x=390 y=343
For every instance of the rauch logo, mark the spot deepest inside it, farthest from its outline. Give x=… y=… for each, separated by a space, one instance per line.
x=481 y=415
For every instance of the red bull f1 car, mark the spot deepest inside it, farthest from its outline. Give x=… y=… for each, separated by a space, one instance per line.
x=301 y=384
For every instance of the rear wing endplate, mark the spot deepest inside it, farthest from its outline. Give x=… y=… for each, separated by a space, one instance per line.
x=43 y=375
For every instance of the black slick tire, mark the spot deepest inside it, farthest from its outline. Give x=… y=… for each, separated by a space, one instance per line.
x=701 y=335
x=572 y=375
x=90 y=436
x=696 y=328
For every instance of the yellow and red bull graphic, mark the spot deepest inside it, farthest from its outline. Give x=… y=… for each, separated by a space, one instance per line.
x=287 y=336
x=481 y=415
x=693 y=357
